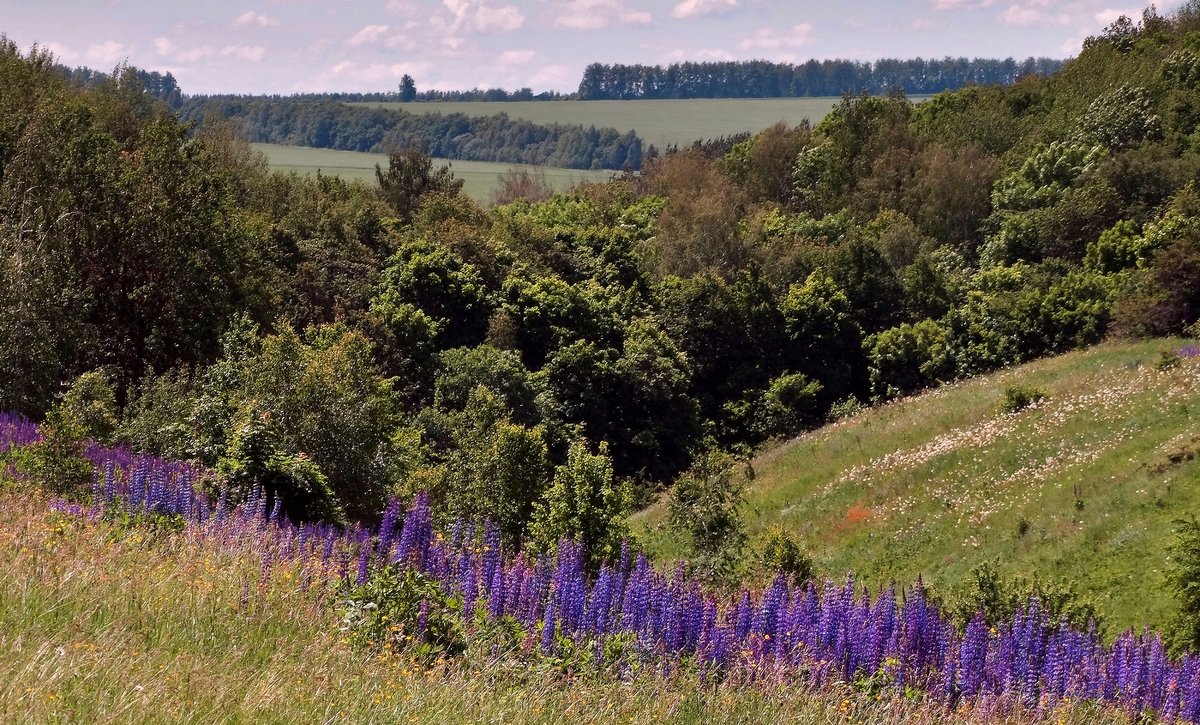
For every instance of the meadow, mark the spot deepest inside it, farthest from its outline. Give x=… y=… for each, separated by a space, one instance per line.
x=657 y=122
x=156 y=605
x=103 y=624
x=1084 y=485
x=481 y=177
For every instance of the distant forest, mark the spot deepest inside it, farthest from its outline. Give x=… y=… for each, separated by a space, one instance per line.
x=763 y=79
x=333 y=125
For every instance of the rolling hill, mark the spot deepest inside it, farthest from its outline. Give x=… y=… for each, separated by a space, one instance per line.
x=1084 y=485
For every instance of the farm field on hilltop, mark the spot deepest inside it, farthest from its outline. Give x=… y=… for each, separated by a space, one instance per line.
x=657 y=122
x=1081 y=486
x=481 y=176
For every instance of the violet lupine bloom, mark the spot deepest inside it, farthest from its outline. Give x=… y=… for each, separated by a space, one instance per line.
x=814 y=633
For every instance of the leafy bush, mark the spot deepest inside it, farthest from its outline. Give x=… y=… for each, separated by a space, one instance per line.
x=1183 y=577
x=401 y=610
x=705 y=506
x=1019 y=397
x=253 y=459
x=997 y=598
x=781 y=553
x=584 y=504
x=56 y=462
x=92 y=402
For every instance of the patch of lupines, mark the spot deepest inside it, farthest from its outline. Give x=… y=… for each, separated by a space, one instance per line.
x=789 y=632
x=16 y=431
x=1188 y=351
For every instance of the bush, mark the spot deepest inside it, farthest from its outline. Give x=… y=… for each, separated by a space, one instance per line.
x=1183 y=577
x=781 y=553
x=705 y=506
x=92 y=402
x=253 y=459
x=997 y=599
x=399 y=610
x=56 y=462
x=1019 y=397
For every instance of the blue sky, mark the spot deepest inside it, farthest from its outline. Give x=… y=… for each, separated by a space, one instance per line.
x=288 y=46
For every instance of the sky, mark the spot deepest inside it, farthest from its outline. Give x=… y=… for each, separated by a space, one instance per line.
x=296 y=46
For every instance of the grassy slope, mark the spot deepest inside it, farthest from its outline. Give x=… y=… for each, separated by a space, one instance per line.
x=656 y=122
x=100 y=624
x=480 y=176
x=936 y=484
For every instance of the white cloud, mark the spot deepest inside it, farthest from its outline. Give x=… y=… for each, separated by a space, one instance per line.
x=922 y=24
x=962 y=4
x=700 y=8
x=715 y=54
x=1029 y=15
x=516 y=57
x=250 y=53
x=163 y=46
x=479 y=16
x=553 y=76
x=1108 y=16
x=195 y=54
x=252 y=18
x=61 y=53
x=368 y=34
x=106 y=54
x=771 y=39
x=596 y=14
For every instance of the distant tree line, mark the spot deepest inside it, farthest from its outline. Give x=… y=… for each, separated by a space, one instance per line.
x=764 y=79
x=333 y=125
x=160 y=85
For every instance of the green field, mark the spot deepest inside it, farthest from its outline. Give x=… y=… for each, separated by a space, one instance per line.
x=480 y=176
x=657 y=122
x=1081 y=486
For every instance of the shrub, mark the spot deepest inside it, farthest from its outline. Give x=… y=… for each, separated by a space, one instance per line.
x=56 y=462
x=1019 y=397
x=92 y=403
x=401 y=610
x=1183 y=577
x=705 y=506
x=997 y=598
x=781 y=553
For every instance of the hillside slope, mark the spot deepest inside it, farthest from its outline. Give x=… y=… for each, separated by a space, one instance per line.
x=1080 y=486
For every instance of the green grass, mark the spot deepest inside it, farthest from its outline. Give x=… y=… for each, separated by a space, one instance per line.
x=934 y=485
x=657 y=122
x=481 y=177
x=101 y=624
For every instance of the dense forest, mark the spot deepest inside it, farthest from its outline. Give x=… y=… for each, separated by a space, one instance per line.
x=764 y=79
x=334 y=125
x=550 y=364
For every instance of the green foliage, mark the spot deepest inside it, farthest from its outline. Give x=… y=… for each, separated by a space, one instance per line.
x=401 y=611
x=584 y=504
x=253 y=460
x=1121 y=118
x=92 y=403
x=824 y=339
x=1183 y=577
x=997 y=598
x=908 y=358
x=489 y=466
x=1019 y=397
x=780 y=552
x=438 y=283
x=56 y=463
x=790 y=404
x=409 y=176
x=705 y=507
x=1119 y=247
